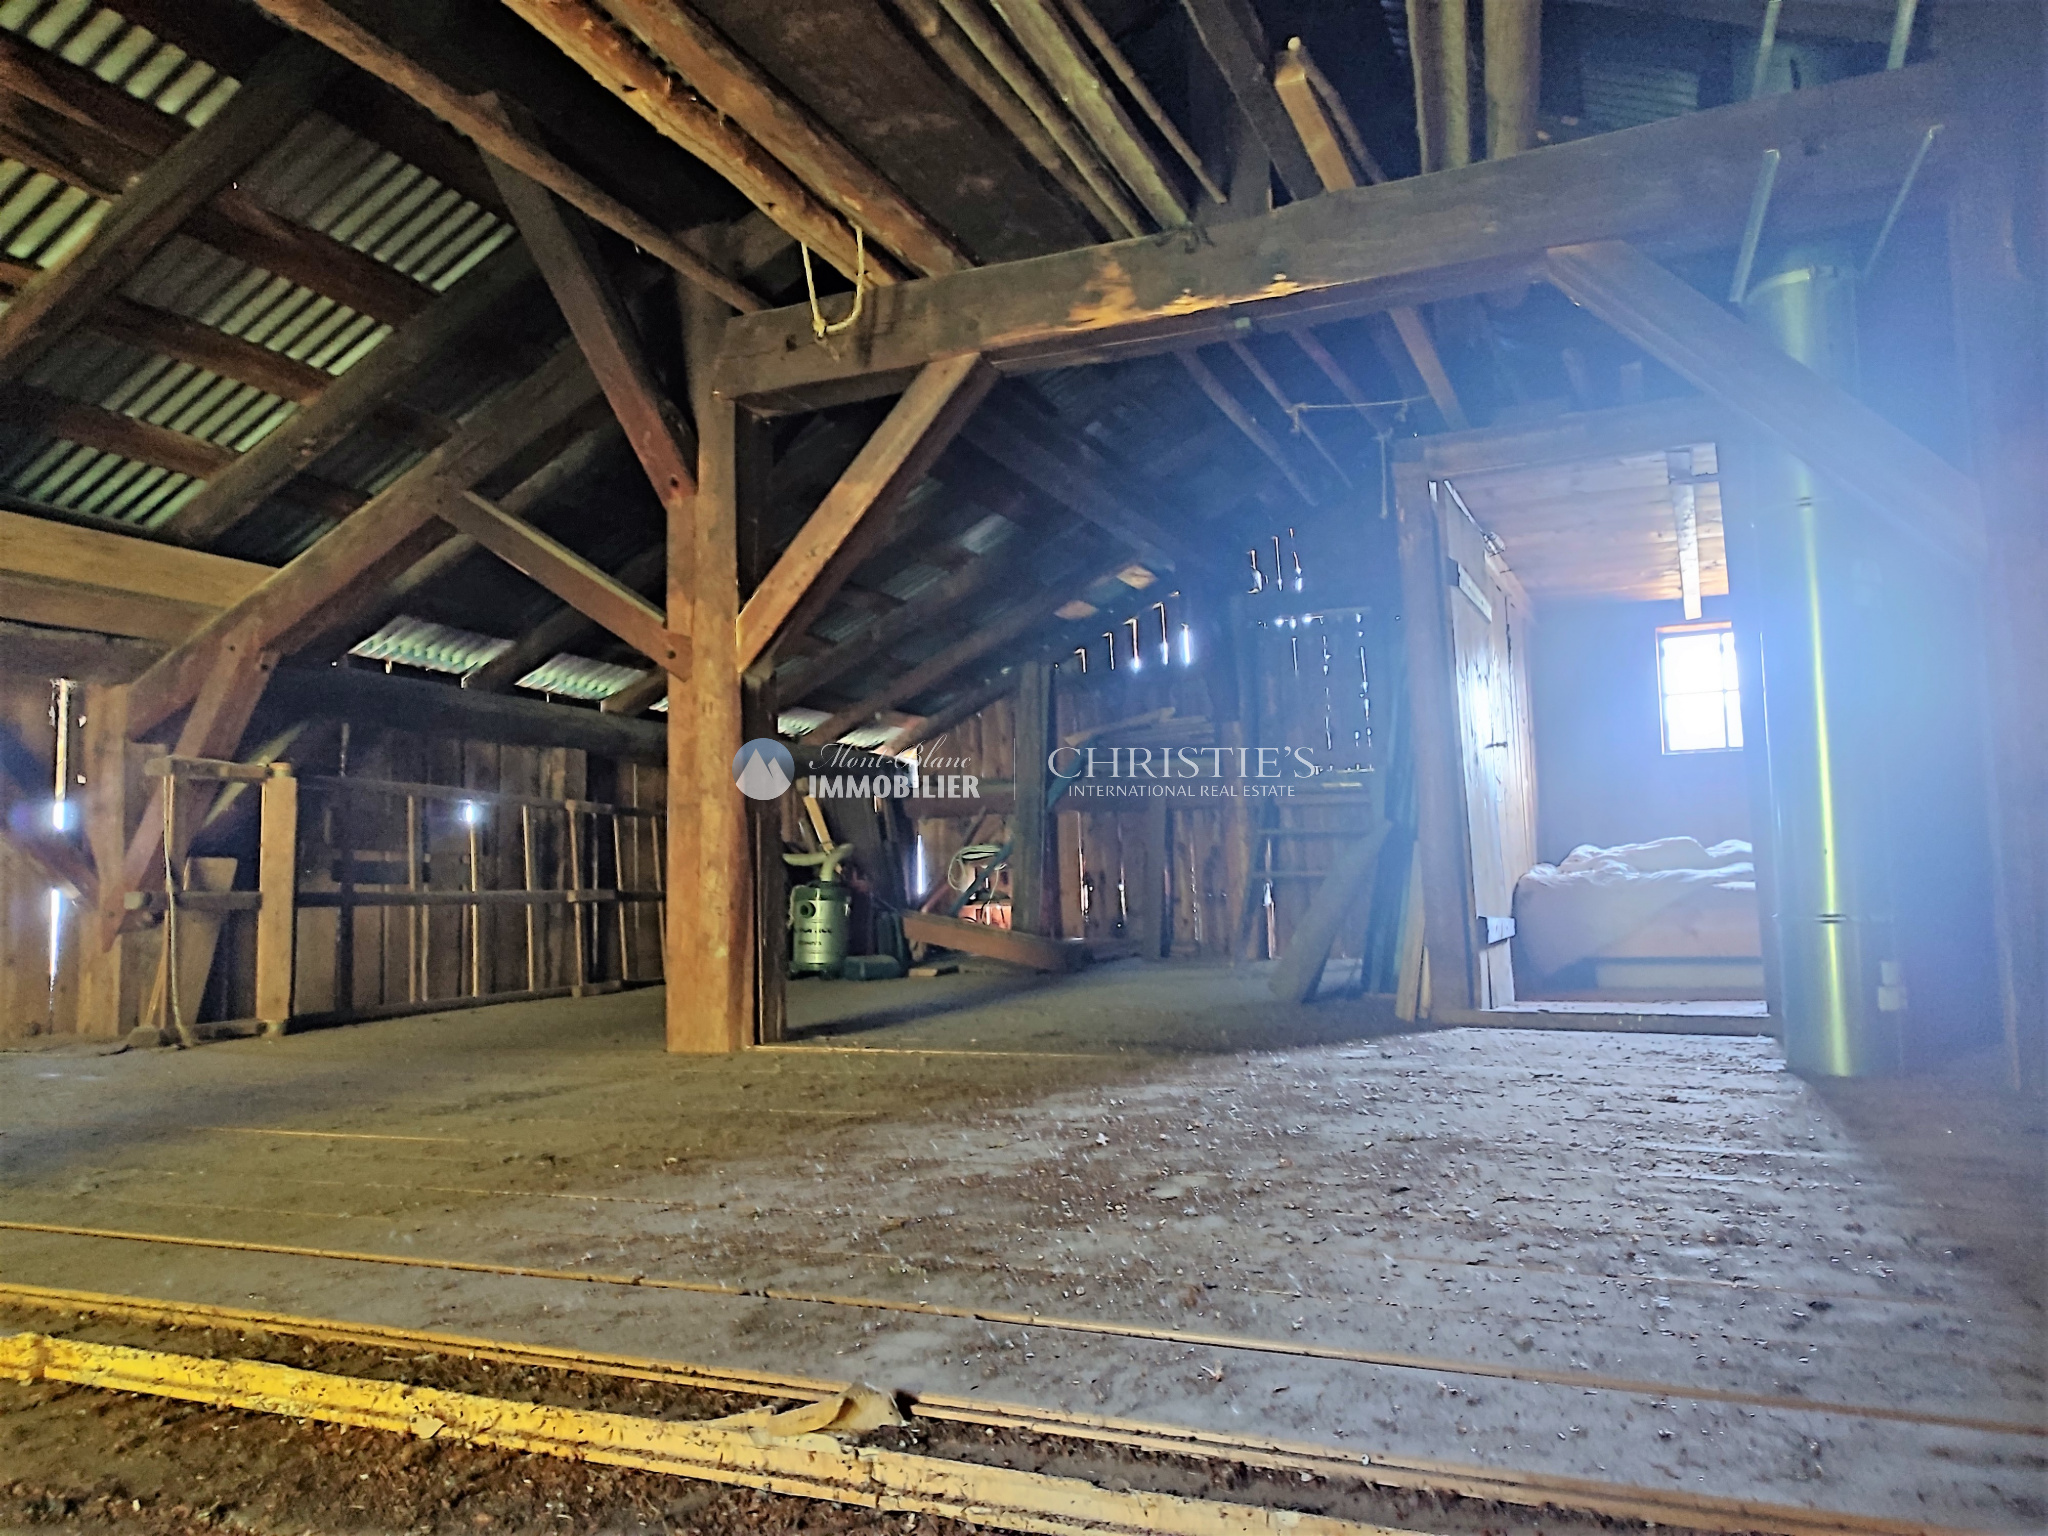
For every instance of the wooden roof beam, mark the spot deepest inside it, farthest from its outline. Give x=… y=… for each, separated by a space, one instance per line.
x=1319 y=115
x=239 y=488
x=1908 y=483
x=338 y=561
x=1236 y=44
x=604 y=52
x=1679 y=184
x=199 y=166
x=1072 y=472
x=484 y=125
x=1007 y=624
x=676 y=33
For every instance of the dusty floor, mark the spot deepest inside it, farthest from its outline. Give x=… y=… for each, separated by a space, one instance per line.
x=1144 y=1194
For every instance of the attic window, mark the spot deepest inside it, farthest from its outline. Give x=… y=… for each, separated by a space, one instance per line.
x=1699 y=687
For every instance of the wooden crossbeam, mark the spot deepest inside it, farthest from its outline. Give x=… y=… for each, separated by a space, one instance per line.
x=93 y=426
x=1908 y=483
x=852 y=518
x=477 y=121
x=1072 y=472
x=97 y=579
x=573 y=579
x=744 y=94
x=239 y=488
x=200 y=165
x=337 y=561
x=1680 y=184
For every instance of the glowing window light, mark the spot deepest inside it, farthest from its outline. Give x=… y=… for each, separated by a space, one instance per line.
x=1187 y=646
x=56 y=931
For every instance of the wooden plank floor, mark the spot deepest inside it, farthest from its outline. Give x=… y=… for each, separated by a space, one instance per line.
x=1145 y=1192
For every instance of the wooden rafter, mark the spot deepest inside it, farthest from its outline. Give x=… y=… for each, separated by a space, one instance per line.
x=97 y=580
x=604 y=52
x=1236 y=43
x=1037 y=25
x=1234 y=412
x=1072 y=472
x=738 y=89
x=477 y=120
x=339 y=560
x=568 y=257
x=92 y=426
x=1514 y=60
x=1835 y=433
x=1007 y=624
x=200 y=165
x=1315 y=113
x=577 y=582
x=240 y=487
x=850 y=521
x=1681 y=184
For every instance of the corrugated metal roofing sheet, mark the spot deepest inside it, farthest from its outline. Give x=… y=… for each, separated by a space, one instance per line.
x=431 y=647
x=575 y=677
x=319 y=174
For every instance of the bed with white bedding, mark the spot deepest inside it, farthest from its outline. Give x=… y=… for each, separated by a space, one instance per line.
x=1669 y=920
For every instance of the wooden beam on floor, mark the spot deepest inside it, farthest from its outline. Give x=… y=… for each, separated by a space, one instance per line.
x=1235 y=41
x=1680 y=184
x=740 y=90
x=200 y=165
x=571 y=578
x=301 y=589
x=350 y=400
x=478 y=121
x=852 y=519
x=1906 y=482
x=590 y=39
x=1031 y=950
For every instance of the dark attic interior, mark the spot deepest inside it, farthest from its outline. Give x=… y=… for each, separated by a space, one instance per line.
x=1226 y=767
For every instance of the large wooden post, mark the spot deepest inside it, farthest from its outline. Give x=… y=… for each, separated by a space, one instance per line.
x=1444 y=842
x=277 y=878
x=107 y=987
x=710 y=939
x=1034 y=881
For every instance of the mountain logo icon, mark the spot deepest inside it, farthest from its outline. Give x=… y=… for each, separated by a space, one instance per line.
x=763 y=769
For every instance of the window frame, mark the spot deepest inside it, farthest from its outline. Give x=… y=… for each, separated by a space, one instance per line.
x=1733 y=692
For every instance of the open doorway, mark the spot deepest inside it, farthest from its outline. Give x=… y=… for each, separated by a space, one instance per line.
x=1598 y=705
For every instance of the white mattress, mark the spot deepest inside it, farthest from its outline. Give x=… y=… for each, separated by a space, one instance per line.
x=1671 y=897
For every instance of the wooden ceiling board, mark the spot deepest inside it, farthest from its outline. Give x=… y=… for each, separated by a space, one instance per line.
x=1600 y=528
